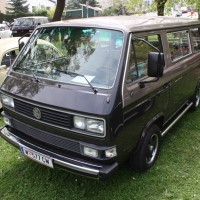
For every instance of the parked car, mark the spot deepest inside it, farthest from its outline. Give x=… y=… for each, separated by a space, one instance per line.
x=5 y=31
x=24 y=25
x=9 y=50
x=176 y=13
x=184 y=9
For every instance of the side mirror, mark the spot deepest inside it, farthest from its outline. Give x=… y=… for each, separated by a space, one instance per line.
x=155 y=64
x=21 y=44
x=155 y=67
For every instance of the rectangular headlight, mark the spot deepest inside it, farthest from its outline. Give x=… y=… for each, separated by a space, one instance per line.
x=90 y=125
x=79 y=122
x=7 y=100
x=94 y=125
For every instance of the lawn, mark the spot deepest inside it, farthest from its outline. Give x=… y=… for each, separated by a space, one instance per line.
x=175 y=176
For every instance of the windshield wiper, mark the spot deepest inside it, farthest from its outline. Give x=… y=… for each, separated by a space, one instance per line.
x=73 y=74
x=36 y=78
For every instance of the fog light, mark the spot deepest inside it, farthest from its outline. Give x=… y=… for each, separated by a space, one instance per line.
x=90 y=152
x=6 y=121
x=110 y=153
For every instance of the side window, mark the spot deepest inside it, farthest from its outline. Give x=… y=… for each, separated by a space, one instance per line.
x=8 y=58
x=179 y=44
x=195 y=33
x=139 y=50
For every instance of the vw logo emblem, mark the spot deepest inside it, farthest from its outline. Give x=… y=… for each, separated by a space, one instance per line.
x=37 y=113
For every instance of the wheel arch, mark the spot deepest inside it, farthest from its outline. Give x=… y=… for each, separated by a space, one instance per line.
x=158 y=120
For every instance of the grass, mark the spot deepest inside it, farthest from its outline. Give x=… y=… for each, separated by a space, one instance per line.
x=175 y=176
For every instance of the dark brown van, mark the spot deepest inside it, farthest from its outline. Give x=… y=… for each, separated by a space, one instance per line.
x=89 y=94
x=24 y=25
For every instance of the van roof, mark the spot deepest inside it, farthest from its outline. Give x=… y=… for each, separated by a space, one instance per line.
x=128 y=23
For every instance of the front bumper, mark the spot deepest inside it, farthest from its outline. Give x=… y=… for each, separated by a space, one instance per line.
x=72 y=164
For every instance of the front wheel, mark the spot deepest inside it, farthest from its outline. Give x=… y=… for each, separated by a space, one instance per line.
x=148 y=150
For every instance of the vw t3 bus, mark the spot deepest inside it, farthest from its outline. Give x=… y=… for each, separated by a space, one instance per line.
x=89 y=94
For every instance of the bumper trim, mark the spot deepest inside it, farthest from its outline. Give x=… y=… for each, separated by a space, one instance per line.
x=16 y=141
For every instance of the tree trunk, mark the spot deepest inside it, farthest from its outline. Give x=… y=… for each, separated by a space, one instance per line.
x=161 y=7
x=59 y=10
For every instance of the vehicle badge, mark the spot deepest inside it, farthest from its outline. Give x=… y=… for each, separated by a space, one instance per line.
x=37 y=113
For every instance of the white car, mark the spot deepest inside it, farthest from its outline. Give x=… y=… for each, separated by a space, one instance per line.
x=5 y=31
x=9 y=50
x=176 y=13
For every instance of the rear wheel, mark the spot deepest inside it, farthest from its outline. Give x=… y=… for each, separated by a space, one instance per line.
x=148 y=150
x=196 y=100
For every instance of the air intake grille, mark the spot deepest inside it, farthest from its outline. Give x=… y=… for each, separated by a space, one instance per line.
x=46 y=137
x=52 y=117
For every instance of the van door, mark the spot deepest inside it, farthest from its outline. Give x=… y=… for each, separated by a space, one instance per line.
x=141 y=105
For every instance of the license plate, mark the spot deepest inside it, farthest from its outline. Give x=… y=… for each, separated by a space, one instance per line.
x=34 y=155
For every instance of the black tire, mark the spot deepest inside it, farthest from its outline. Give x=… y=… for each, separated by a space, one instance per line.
x=148 y=150
x=196 y=100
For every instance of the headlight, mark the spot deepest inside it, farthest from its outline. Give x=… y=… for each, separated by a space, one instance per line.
x=91 y=125
x=79 y=122
x=7 y=101
x=95 y=126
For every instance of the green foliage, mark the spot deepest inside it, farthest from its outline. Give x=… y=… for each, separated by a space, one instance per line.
x=40 y=11
x=18 y=6
x=11 y=17
x=118 y=8
x=51 y=12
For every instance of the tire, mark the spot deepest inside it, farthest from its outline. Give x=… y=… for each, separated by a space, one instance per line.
x=196 y=100
x=148 y=150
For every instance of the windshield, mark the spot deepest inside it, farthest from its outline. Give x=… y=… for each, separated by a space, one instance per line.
x=91 y=53
x=23 y=22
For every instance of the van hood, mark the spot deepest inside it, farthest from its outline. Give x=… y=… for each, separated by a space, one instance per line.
x=64 y=96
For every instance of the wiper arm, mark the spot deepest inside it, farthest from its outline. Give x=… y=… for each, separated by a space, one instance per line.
x=36 y=78
x=73 y=74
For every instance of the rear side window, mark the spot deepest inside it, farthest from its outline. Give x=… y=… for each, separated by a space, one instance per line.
x=139 y=50
x=179 y=44
x=195 y=33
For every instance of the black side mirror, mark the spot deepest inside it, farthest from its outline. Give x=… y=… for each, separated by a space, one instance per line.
x=155 y=64
x=155 y=67
x=21 y=44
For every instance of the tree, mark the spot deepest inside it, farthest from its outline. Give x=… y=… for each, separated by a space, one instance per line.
x=120 y=7
x=40 y=10
x=196 y=5
x=59 y=10
x=160 y=7
x=18 y=6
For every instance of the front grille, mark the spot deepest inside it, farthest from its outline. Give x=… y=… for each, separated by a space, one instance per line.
x=46 y=137
x=49 y=116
